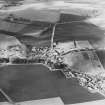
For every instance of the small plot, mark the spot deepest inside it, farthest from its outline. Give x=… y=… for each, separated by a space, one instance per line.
x=83 y=44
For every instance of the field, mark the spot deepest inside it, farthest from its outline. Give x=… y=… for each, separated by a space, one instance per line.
x=32 y=82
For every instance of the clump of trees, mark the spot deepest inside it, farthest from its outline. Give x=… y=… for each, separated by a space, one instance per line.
x=12 y=1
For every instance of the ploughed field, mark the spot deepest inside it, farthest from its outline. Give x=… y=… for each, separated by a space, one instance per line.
x=31 y=82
